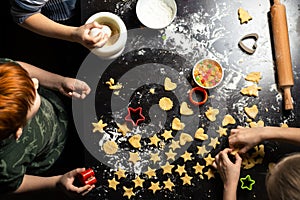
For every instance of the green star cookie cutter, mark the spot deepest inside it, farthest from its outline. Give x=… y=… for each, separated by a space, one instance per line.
x=247 y=182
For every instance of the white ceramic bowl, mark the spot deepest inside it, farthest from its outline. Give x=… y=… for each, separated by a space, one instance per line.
x=156 y=14
x=116 y=43
x=208 y=73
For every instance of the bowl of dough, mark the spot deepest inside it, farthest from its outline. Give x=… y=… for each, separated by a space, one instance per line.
x=156 y=14
x=208 y=73
x=114 y=25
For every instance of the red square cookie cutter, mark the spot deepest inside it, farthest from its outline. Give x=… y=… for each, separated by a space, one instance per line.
x=87 y=177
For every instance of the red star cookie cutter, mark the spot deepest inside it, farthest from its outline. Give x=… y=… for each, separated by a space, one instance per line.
x=135 y=115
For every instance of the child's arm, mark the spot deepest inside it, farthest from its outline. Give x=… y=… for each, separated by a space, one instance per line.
x=67 y=86
x=246 y=138
x=64 y=182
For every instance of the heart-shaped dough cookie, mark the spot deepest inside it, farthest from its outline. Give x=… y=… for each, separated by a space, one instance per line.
x=251 y=111
x=184 y=138
x=169 y=85
x=185 y=110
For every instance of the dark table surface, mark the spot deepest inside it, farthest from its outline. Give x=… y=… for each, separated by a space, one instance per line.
x=206 y=28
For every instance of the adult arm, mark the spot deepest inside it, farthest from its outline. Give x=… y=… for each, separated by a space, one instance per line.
x=246 y=138
x=42 y=25
x=68 y=86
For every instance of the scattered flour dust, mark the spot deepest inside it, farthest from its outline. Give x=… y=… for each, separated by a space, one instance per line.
x=155 y=13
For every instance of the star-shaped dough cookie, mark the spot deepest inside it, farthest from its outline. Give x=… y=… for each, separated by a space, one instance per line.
x=128 y=192
x=186 y=179
x=155 y=157
x=154 y=187
x=123 y=128
x=150 y=172
x=210 y=174
x=174 y=145
x=169 y=184
x=138 y=182
x=222 y=131
x=154 y=140
x=134 y=157
x=180 y=169
x=112 y=183
x=167 y=134
x=198 y=168
x=214 y=142
x=171 y=155
x=167 y=168
x=202 y=150
x=120 y=173
x=99 y=126
x=186 y=156
x=209 y=160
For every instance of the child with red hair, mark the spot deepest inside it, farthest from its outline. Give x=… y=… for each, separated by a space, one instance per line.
x=33 y=124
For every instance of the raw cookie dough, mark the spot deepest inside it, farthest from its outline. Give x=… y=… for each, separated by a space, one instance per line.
x=110 y=147
x=251 y=90
x=228 y=119
x=251 y=111
x=184 y=138
x=165 y=103
x=211 y=114
x=185 y=110
x=169 y=85
x=135 y=141
x=177 y=125
x=253 y=77
x=244 y=16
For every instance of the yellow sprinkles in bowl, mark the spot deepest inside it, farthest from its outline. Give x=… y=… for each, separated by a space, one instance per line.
x=207 y=73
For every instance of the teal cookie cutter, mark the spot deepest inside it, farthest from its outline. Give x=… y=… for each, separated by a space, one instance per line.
x=247 y=182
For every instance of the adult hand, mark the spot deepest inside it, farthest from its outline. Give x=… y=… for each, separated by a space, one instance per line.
x=66 y=184
x=74 y=88
x=229 y=171
x=244 y=138
x=82 y=36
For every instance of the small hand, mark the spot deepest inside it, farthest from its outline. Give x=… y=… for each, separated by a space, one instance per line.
x=74 y=88
x=229 y=171
x=66 y=184
x=244 y=138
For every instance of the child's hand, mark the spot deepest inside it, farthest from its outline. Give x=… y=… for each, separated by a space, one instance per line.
x=244 y=138
x=229 y=171
x=83 y=35
x=66 y=181
x=74 y=88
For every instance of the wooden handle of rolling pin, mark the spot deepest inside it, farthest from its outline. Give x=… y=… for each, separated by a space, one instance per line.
x=282 y=51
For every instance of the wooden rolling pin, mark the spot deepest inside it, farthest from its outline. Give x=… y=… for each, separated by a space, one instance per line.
x=282 y=52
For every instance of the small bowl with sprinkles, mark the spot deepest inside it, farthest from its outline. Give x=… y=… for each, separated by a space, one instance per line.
x=208 y=73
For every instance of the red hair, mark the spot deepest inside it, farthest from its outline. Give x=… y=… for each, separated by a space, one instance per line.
x=17 y=95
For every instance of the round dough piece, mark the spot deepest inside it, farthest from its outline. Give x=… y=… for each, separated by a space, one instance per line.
x=165 y=103
x=110 y=147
